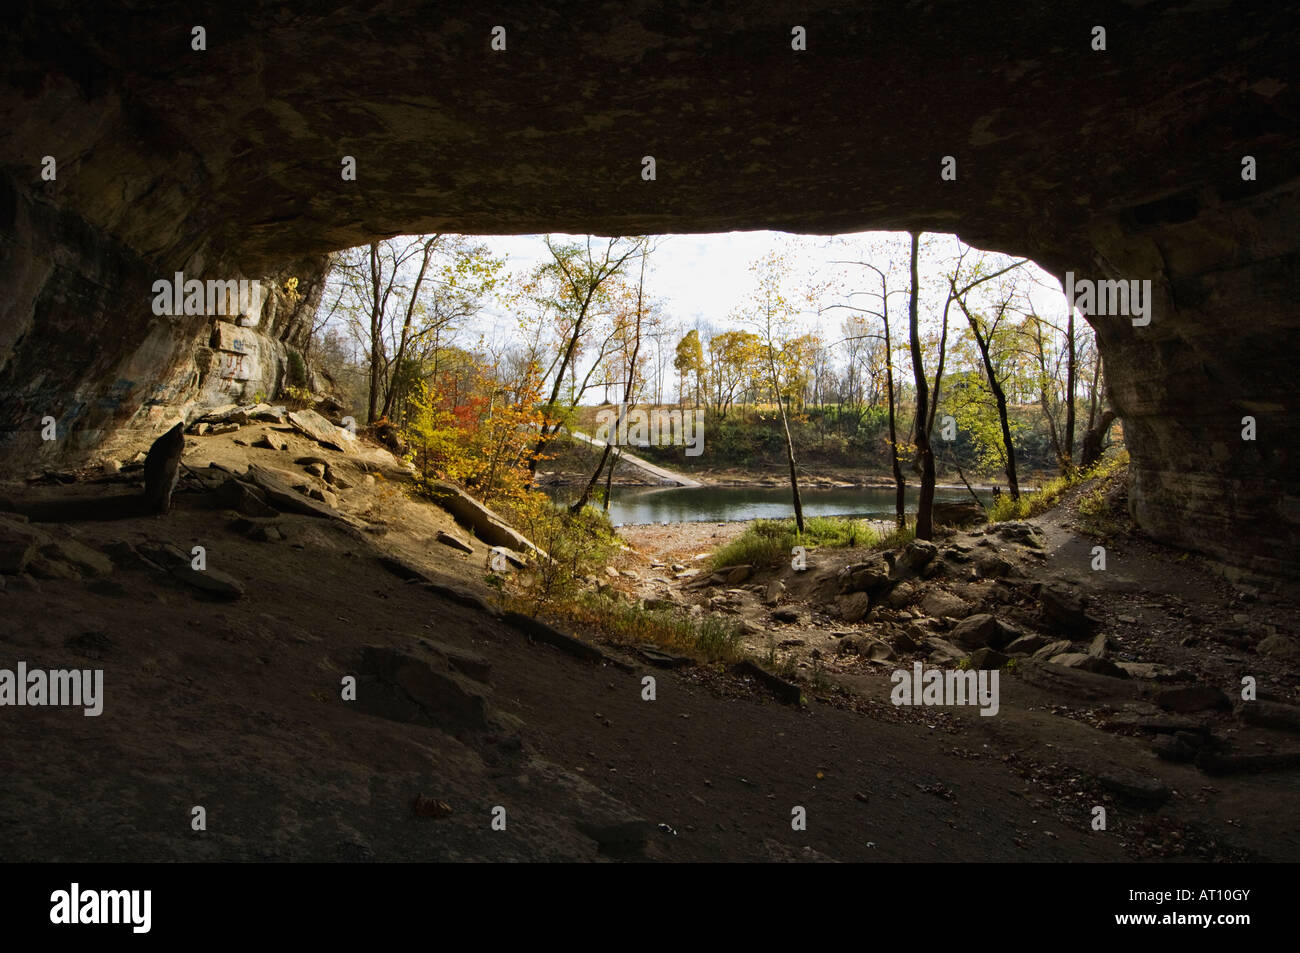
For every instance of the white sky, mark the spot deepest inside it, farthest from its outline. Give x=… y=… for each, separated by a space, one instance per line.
x=703 y=278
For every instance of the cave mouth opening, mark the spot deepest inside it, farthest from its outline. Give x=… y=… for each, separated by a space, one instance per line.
x=678 y=323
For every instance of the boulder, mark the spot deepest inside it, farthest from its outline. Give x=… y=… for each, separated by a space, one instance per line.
x=854 y=606
x=1052 y=649
x=987 y=658
x=981 y=630
x=902 y=641
x=271 y=441
x=1135 y=787
x=993 y=566
x=915 y=557
x=1066 y=610
x=901 y=596
x=735 y=575
x=68 y=559
x=1280 y=646
x=879 y=651
x=958 y=513
x=942 y=650
x=1026 y=645
x=267 y=413
x=871 y=577
x=943 y=604
x=1270 y=714
x=1022 y=534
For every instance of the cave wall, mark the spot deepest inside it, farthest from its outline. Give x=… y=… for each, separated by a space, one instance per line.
x=225 y=162
x=80 y=341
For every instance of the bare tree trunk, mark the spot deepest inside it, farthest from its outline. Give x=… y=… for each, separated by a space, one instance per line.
x=1000 y=398
x=952 y=455
x=789 y=451
x=900 y=481
x=1092 y=394
x=391 y=388
x=628 y=389
x=609 y=478
x=1091 y=451
x=376 y=331
x=925 y=506
x=1070 y=383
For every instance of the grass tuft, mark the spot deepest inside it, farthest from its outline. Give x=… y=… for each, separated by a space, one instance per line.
x=1049 y=494
x=769 y=542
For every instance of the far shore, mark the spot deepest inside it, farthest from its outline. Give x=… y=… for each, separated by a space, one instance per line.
x=739 y=481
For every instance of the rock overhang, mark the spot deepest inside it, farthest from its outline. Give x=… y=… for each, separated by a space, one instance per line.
x=1123 y=163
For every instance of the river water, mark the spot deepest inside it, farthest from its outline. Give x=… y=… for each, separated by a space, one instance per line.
x=717 y=504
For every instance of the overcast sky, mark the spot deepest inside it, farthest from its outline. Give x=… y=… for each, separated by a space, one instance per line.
x=705 y=277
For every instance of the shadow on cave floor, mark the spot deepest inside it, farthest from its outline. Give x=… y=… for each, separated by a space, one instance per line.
x=90 y=509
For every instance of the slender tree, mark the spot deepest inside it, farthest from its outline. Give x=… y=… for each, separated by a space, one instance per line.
x=628 y=393
x=925 y=505
x=581 y=275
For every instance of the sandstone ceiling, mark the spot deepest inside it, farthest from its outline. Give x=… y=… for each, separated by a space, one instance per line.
x=1120 y=164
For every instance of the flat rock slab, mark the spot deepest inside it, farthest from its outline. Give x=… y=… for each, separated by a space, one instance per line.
x=243 y=498
x=1193 y=698
x=658 y=657
x=486 y=525
x=1135 y=787
x=278 y=487
x=313 y=425
x=1217 y=762
x=1088 y=663
x=1269 y=714
x=785 y=691
x=619 y=839
x=542 y=632
x=411 y=681
x=455 y=542
x=211 y=581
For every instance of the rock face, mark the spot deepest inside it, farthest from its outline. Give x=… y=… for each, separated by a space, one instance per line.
x=225 y=164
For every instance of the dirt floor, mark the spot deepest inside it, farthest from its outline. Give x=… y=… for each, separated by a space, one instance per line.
x=225 y=692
